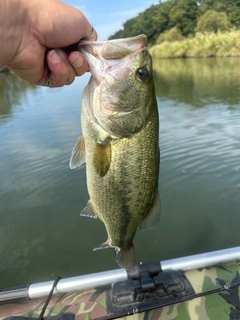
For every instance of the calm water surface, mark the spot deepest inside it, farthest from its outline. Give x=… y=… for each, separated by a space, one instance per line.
x=41 y=232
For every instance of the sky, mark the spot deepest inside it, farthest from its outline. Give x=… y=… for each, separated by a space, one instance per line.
x=108 y=16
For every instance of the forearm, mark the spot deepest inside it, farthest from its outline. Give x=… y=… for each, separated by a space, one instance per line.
x=12 y=16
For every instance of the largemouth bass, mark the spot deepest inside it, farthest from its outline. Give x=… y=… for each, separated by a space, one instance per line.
x=119 y=142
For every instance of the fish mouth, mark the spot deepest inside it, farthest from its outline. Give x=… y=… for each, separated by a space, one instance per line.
x=113 y=58
x=116 y=48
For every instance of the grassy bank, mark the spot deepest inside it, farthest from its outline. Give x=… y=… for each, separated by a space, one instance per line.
x=202 y=45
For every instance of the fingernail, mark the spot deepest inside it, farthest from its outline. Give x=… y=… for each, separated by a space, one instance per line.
x=61 y=54
x=54 y=56
x=77 y=61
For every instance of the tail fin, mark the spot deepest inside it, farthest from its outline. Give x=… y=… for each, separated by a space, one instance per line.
x=125 y=257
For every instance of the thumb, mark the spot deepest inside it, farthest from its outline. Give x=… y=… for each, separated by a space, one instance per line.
x=64 y=31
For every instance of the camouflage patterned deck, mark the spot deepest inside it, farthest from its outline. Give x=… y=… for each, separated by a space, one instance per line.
x=91 y=304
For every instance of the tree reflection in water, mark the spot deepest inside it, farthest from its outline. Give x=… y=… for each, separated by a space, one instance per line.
x=12 y=89
x=198 y=81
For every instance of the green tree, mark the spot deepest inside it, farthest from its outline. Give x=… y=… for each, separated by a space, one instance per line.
x=212 y=21
x=206 y=5
x=183 y=15
x=143 y=23
x=161 y=17
x=173 y=34
x=230 y=7
x=128 y=30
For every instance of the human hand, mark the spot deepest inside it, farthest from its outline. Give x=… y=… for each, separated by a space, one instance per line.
x=39 y=35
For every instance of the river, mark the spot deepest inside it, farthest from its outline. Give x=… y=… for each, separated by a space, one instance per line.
x=41 y=233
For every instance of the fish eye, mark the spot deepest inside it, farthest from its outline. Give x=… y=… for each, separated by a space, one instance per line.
x=142 y=74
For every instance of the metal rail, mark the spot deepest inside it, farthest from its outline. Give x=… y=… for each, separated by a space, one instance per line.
x=106 y=278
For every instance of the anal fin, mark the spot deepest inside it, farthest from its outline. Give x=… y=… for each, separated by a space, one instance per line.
x=88 y=211
x=104 y=245
x=154 y=214
x=125 y=257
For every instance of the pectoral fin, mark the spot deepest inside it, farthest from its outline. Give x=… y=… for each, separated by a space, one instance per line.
x=78 y=154
x=154 y=214
x=102 y=157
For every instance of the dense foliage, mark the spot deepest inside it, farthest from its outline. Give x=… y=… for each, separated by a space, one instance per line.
x=188 y=16
x=213 y=21
x=170 y=35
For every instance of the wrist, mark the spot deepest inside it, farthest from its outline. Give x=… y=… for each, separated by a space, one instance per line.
x=12 y=16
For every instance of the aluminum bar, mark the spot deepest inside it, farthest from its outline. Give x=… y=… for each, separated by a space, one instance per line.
x=107 y=277
x=202 y=260
x=85 y=282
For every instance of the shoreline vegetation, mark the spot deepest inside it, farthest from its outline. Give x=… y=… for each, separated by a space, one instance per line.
x=188 y=28
x=203 y=45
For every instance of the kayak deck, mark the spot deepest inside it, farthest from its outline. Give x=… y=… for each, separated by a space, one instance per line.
x=216 y=296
